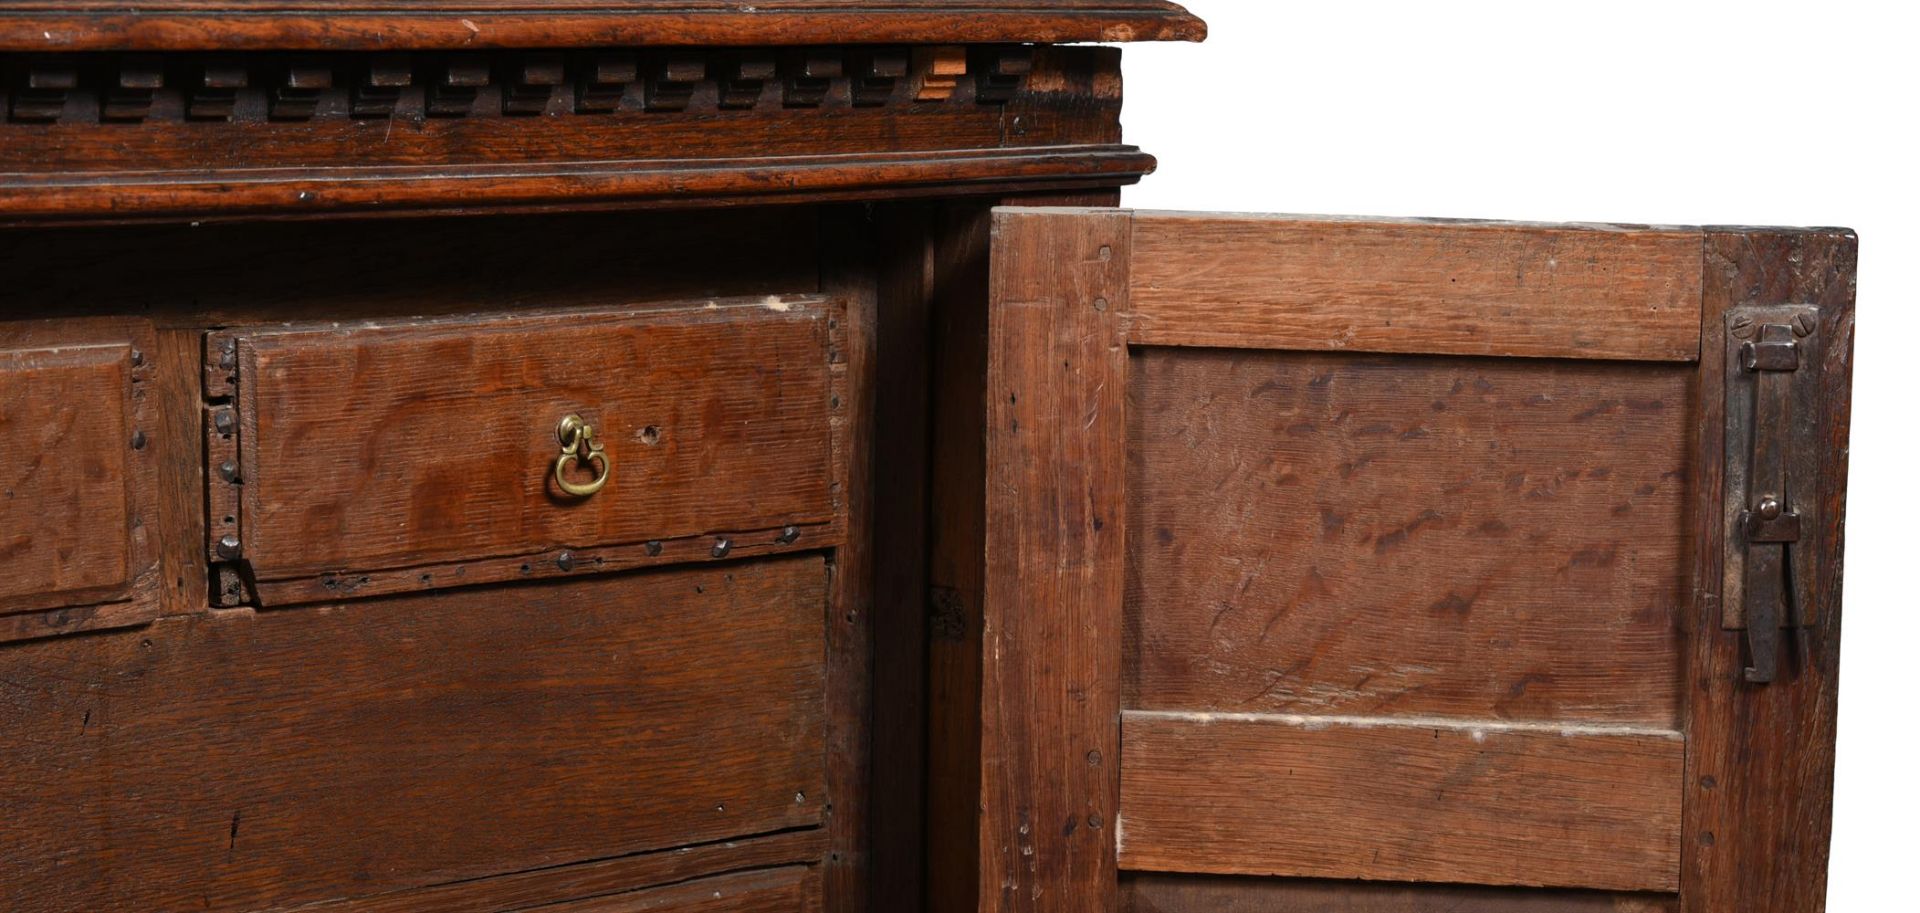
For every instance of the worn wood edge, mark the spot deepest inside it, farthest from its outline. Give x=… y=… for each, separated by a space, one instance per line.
x=607 y=877
x=428 y=189
x=850 y=608
x=550 y=564
x=1055 y=552
x=1466 y=738
x=140 y=597
x=825 y=527
x=1155 y=892
x=1155 y=321
x=1757 y=812
x=477 y=25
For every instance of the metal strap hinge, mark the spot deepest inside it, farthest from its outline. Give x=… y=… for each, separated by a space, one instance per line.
x=1771 y=469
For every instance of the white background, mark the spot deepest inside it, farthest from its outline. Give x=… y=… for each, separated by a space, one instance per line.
x=1666 y=112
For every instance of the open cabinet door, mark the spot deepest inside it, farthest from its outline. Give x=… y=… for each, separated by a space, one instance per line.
x=1380 y=565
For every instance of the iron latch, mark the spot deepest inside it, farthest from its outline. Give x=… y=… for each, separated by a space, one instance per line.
x=1771 y=467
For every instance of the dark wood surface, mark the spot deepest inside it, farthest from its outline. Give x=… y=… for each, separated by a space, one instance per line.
x=238 y=761
x=460 y=24
x=305 y=136
x=1454 y=288
x=1759 y=809
x=576 y=883
x=1327 y=797
x=1497 y=539
x=410 y=445
x=790 y=889
x=1155 y=893
x=79 y=483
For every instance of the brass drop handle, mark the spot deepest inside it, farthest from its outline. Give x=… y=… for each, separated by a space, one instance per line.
x=578 y=447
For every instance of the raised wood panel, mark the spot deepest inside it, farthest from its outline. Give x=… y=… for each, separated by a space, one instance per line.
x=1155 y=893
x=1431 y=801
x=462 y=24
x=1328 y=533
x=1459 y=288
x=396 y=446
x=234 y=761
x=1055 y=528
x=545 y=887
x=78 y=483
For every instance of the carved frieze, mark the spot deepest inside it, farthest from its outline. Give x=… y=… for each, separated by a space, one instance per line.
x=142 y=88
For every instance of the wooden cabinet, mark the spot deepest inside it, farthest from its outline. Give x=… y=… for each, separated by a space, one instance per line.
x=682 y=457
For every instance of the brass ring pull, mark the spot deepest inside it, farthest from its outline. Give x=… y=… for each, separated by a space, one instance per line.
x=578 y=447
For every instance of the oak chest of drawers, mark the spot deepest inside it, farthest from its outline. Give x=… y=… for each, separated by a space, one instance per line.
x=689 y=456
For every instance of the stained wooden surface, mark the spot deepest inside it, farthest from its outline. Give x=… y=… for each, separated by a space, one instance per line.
x=1328 y=533
x=407 y=445
x=1451 y=801
x=792 y=889
x=539 y=888
x=460 y=24
x=79 y=490
x=1055 y=530
x=1454 y=288
x=1154 y=893
x=387 y=271
x=236 y=761
x=653 y=128
x=1759 y=810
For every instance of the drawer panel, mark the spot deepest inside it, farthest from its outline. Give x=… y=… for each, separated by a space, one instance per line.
x=434 y=444
x=239 y=761
x=76 y=485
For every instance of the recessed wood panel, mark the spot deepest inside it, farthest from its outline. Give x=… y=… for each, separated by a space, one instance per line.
x=1440 y=801
x=1324 y=533
x=234 y=761
x=1376 y=285
x=397 y=446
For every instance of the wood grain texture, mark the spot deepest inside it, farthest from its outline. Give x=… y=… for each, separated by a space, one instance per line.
x=237 y=761
x=407 y=445
x=1155 y=893
x=462 y=24
x=1760 y=757
x=957 y=267
x=848 y=272
x=1457 y=288
x=1329 y=533
x=792 y=889
x=79 y=520
x=1440 y=801
x=526 y=890
x=480 y=189
x=1055 y=550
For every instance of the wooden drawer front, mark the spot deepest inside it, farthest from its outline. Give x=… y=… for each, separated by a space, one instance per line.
x=76 y=487
x=242 y=761
x=432 y=446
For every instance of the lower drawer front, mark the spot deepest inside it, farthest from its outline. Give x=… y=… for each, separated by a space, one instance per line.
x=243 y=762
